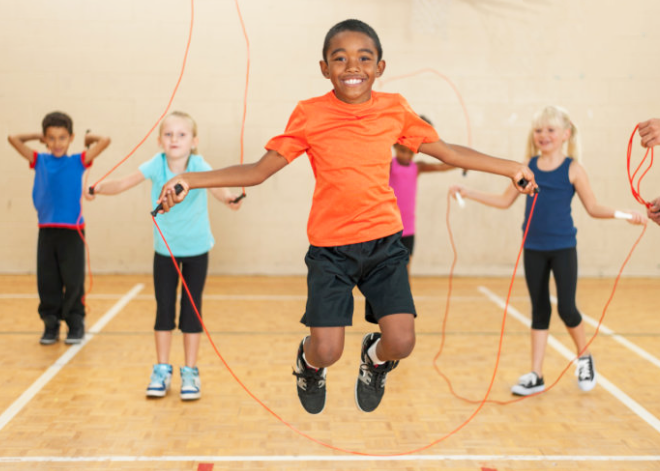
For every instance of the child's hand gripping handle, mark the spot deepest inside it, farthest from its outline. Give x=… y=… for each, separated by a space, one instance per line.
x=178 y=189
x=238 y=198
x=522 y=183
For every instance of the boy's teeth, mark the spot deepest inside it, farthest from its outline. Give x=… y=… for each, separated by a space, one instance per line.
x=353 y=81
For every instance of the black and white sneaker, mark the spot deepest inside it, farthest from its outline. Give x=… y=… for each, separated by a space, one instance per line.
x=310 y=383
x=586 y=373
x=529 y=383
x=370 y=384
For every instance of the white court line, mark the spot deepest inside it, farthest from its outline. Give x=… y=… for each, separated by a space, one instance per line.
x=297 y=458
x=618 y=338
x=629 y=402
x=71 y=352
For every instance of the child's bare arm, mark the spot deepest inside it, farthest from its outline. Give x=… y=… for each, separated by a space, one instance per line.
x=113 y=187
x=235 y=176
x=425 y=167
x=470 y=159
x=18 y=141
x=578 y=176
x=96 y=144
x=501 y=201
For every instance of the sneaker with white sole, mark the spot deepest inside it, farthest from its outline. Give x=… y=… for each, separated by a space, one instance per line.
x=310 y=383
x=586 y=373
x=190 y=384
x=161 y=378
x=370 y=384
x=529 y=383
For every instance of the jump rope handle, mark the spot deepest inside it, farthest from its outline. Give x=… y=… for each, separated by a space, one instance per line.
x=238 y=198
x=522 y=183
x=178 y=189
x=460 y=200
x=622 y=215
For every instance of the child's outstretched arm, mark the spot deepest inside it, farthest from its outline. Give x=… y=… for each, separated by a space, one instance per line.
x=578 y=176
x=113 y=187
x=227 y=197
x=425 y=167
x=235 y=176
x=649 y=131
x=18 y=141
x=502 y=201
x=470 y=159
x=96 y=144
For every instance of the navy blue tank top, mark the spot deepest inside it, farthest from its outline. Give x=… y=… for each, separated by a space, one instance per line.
x=552 y=225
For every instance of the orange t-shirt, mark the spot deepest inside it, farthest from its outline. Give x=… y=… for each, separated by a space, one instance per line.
x=349 y=148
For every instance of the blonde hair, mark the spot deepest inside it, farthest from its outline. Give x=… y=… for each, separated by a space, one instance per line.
x=183 y=115
x=558 y=117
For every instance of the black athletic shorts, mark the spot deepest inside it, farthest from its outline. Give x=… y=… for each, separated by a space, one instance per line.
x=376 y=267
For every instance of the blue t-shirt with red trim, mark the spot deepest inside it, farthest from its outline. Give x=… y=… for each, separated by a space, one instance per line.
x=58 y=188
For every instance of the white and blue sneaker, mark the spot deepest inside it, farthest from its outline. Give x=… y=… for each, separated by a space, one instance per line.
x=190 y=384
x=161 y=378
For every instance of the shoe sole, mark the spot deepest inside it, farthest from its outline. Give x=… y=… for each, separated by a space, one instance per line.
x=73 y=341
x=526 y=391
x=47 y=342
x=155 y=393
x=588 y=386
x=190 y=396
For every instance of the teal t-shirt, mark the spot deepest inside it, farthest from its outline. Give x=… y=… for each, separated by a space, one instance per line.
x=186 y=227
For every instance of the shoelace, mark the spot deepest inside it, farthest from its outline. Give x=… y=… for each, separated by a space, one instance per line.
x=584 y=368
x=158 y=376
x=188 y=380
x=528 y=380
x=310 y=379
x=375 y=376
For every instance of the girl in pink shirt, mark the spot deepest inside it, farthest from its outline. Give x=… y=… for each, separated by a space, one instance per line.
x=403 y=180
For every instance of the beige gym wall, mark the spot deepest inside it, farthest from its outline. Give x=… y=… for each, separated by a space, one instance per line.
x=113 y=65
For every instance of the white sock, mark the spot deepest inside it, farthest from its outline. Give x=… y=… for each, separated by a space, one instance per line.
x=372 y=353
x=305 y=358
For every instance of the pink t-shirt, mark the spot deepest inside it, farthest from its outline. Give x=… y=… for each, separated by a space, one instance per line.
x=403 y=180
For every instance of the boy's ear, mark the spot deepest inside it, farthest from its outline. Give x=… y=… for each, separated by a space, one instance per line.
x=380 y=68
x=324 y=69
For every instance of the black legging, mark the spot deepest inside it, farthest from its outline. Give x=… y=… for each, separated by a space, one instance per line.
x=563 y=264
x=166 y=280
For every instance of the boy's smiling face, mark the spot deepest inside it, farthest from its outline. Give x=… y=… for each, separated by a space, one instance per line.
x=57 y=140
x=352 y=65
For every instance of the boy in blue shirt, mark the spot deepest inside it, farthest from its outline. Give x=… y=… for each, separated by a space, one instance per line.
x=56 y=195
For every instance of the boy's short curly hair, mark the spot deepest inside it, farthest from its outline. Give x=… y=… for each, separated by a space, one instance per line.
x=57 y=119
x=355 y=26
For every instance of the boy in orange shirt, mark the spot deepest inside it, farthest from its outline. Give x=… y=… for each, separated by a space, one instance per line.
x=354 y=226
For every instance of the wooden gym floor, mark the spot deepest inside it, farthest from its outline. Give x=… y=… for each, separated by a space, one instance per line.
x=83 y=407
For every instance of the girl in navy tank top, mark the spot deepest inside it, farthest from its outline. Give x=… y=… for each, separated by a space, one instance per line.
x=551 y=241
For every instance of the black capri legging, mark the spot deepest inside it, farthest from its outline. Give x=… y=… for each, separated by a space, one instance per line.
x=166 y=281
x=563 y=264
